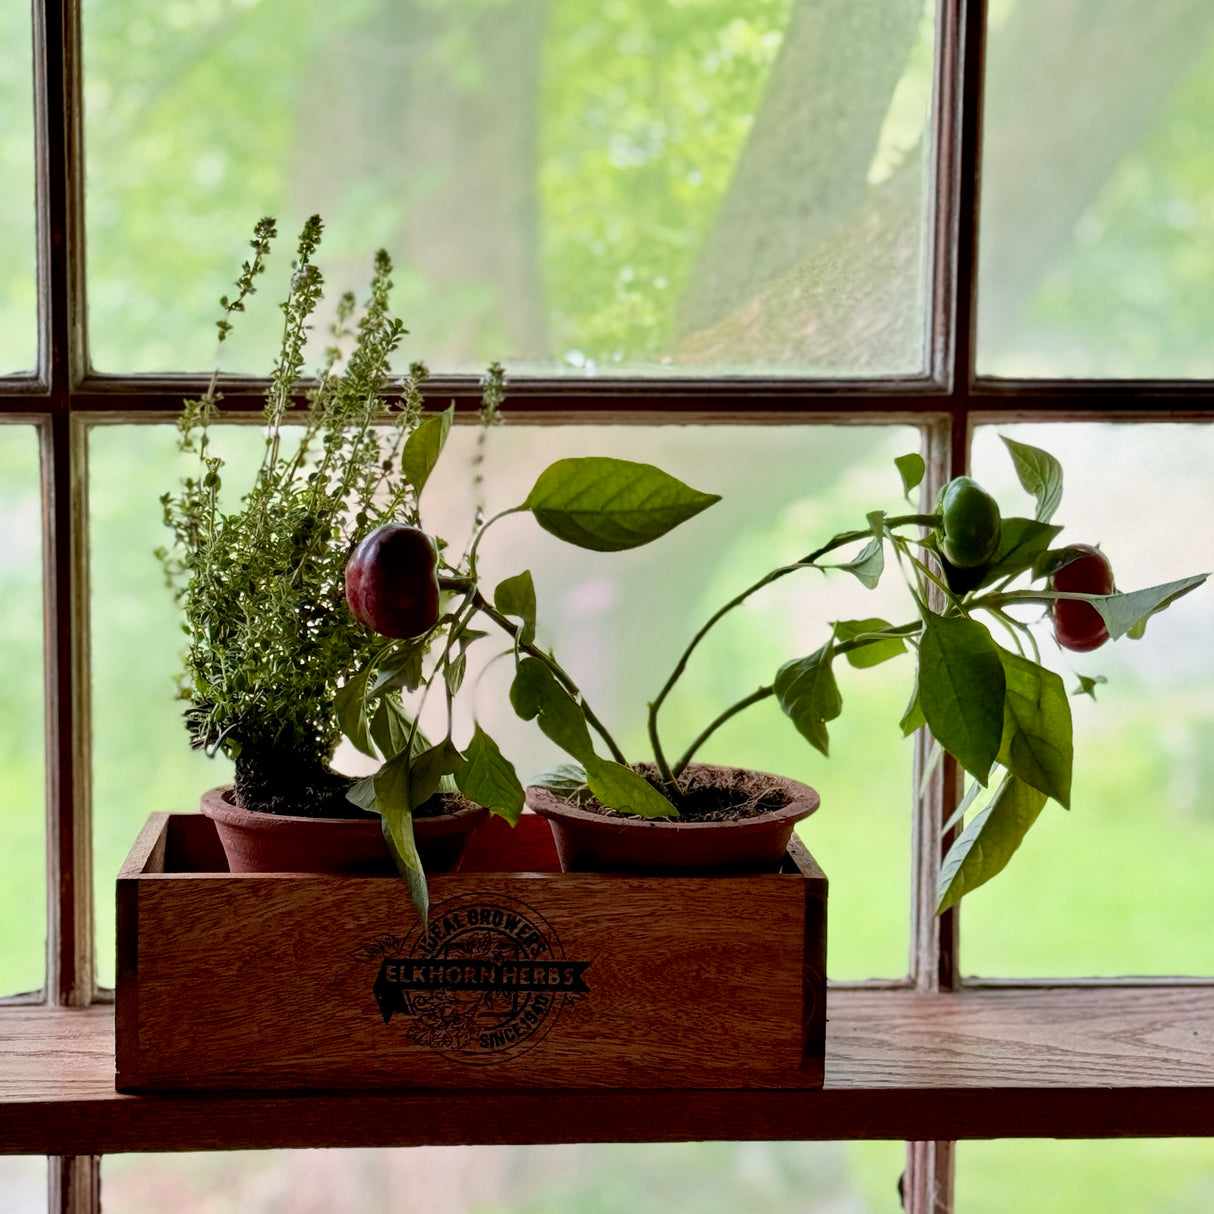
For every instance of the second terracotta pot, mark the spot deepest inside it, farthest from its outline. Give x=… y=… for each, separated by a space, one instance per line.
x=594 y=842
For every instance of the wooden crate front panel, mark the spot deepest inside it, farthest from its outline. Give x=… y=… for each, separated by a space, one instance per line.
x=525 y=980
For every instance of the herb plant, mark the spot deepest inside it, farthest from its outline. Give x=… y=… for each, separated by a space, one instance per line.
x=260 y=585
x=980 y=685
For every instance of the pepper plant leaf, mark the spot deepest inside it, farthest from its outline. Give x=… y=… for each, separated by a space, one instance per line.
x=961 y=690
x=869 y=652
x=1022 y=541
x=424 y=446
x=402 y=668
x=912 y=470
x=913 y=717
x=516 y=597
x=564 y=779
x=1040 y=474
x=808 y=694
x=868 y=566
x=1037 y=740
x=487 y=777
x=1128 y=613
x=609 y=505
x=619 y=787
x=350 y=705
x=989 y=841
x=536 y=695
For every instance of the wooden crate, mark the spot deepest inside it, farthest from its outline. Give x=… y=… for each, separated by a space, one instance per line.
x=529 y=977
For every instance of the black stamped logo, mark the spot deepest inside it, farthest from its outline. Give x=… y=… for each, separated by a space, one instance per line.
x=484 y=983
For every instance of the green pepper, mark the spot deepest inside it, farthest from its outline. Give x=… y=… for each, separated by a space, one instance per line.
x=969 y=524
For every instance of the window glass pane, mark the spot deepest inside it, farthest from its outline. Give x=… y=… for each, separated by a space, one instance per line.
x=1097 y=233
x=1127 y=869
x=22 y=746
x=23 y=1184
x=1126 y=1176
x=617 y=621
x=700 y=1178
x=18 y=274
x=669 y=187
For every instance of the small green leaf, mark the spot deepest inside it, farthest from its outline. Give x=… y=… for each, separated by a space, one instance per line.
x=912 y=469
x=564 y=779
x=424 y=446
x=620 y=788
x=402 y=668
x=1128 y=613
x=1040 y=474
x=989 y=841
x=487 y=777
x=611 y=504
x=875 y=647
x=350 y=705
x=963 y=807
x=808 y=694
x=516 y=596
x=961 y=690
x=453 y=673
x=1037 y=744
x=1087 y=685
x=397 y=827
x=362 y=794
x=390 y=727
x=913 y=717
x=536 y=694
x=868 y=566
x=1022 y=541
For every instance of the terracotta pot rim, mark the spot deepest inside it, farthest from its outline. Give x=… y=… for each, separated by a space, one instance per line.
x=804 y=801
x=218 y=803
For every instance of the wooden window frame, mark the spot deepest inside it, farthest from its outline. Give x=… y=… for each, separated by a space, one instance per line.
x=958 y=1090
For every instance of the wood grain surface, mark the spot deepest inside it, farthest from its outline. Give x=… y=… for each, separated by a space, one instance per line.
x=526 y=979
x=1104 y=1062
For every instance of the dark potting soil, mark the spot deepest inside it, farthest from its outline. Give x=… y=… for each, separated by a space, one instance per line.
x=286 y=786
x=709 y=795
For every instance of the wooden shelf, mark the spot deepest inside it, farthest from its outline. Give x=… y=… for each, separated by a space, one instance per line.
x=1076 y=1063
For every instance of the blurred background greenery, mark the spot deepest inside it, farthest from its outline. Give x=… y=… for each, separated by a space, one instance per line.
x=668 y=188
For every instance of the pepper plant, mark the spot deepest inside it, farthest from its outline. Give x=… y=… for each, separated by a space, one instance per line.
x=980 y=685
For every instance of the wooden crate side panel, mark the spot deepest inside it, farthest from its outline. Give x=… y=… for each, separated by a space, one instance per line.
x=673 y=982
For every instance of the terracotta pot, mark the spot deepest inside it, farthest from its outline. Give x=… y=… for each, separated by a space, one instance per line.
x=594 y=842
x=276 y=843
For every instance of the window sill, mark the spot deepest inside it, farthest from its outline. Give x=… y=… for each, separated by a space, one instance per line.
x=1073 y=1063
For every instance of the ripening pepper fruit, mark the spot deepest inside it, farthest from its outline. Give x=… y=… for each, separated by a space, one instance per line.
x=969 y=523
x=1078 y=625
x=392 y=581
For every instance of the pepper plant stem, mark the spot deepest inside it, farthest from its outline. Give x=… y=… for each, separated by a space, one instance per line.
x=668 y=775
x=509 y=626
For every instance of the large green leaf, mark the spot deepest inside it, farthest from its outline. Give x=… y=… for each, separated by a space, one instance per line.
x=536 y=695
x=487 y=777
x=424 y=446
x=1021 y=543
x=875 y=647
x=611 y=504
x=1040 y=474
x=1128 y=613
x=621 y=788
x=1037 y=744
x=808 y=694
x=516 y=596
x=961 y=689
x=988 y=842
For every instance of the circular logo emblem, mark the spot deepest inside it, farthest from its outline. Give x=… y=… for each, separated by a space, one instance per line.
x=483 y=983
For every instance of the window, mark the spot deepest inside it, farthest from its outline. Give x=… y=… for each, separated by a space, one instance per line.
x=685 y=228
